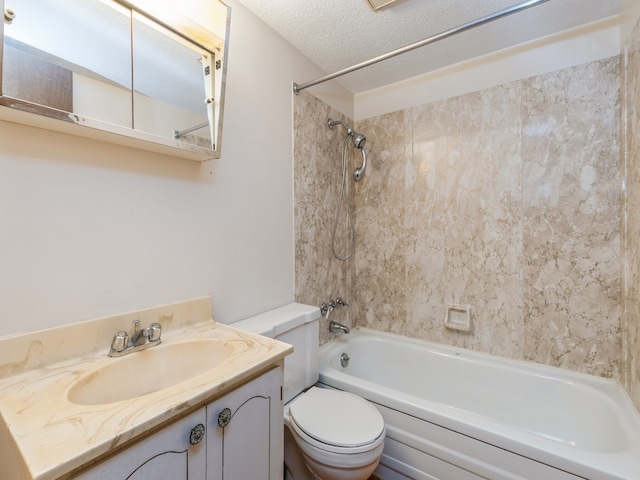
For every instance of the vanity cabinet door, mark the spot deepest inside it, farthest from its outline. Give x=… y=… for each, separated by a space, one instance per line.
x=177 y=452
x=245 y=431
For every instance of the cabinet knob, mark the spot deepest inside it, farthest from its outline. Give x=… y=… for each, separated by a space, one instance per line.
x=224 y=417
x=197 y=434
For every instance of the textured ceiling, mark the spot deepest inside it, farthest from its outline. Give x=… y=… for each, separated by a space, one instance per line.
x=336 y=34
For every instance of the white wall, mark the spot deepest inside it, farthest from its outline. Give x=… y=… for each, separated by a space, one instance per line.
x=90 y=229
x=573 y=47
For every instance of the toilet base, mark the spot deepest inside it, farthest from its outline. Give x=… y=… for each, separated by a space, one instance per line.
x=328 y=472
x=294 y=466
x=298 y=467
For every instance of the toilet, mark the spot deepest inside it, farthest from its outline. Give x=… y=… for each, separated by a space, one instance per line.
x=329 y=434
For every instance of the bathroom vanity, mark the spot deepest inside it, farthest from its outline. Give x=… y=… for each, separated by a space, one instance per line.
x=211 y=443
x=195 y=403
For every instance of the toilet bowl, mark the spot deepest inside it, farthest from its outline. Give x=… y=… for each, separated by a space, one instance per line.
x=328 y=434
x=339 y=435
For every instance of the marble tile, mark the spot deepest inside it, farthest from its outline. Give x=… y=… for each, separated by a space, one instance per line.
x=505 y=200
x=463 y=189
x=630 y=135
x=572 y=289
x=319 y=277
x=380 y=282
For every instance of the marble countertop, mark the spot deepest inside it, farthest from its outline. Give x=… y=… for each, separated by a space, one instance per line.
x=45 y=436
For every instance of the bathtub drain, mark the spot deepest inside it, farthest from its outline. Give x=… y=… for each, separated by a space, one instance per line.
x=344 y=360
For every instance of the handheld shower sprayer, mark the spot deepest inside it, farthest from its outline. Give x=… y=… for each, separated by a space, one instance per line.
x=358 y=141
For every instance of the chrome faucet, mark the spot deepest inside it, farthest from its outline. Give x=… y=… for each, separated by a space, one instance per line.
x=137 y=335
x=341 y=303
x=124 y=343
x=335 y=327
x=327 y=308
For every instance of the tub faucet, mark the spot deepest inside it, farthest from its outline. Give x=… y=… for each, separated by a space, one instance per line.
x=327 y=308
x=335 y=327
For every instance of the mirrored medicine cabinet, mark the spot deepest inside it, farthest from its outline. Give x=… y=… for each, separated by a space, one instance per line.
x=141 y=73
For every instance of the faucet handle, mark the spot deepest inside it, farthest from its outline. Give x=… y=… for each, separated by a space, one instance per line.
x=326 y=310
x=341 y=303
x=156 y=332
x=147 y=333
x=120 y=341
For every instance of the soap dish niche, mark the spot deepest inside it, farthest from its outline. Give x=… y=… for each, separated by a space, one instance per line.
x=458 y=318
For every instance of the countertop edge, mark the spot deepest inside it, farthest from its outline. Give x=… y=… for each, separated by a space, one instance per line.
x=165 y=406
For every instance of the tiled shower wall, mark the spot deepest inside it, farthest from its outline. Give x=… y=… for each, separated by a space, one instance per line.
x=630 y=143
x=505 y=200
x=319 y=277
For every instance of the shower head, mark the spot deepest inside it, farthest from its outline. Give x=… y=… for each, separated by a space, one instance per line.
x=358 y=141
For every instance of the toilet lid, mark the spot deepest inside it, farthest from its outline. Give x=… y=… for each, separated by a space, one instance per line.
x=336 y=418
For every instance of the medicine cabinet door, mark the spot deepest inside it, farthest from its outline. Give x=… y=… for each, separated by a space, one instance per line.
x=66 y=58
x=139 y=73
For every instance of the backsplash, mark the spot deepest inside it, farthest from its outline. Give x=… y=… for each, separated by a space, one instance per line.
x=35 y=350
x=506 y=200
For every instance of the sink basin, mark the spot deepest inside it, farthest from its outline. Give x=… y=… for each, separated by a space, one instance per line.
x=148 y=371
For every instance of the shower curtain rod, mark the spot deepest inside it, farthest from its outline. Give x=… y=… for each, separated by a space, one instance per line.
x=434 y=38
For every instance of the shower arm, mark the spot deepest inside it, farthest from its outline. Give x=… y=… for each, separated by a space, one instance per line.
x=332 y=123
x=432 y=39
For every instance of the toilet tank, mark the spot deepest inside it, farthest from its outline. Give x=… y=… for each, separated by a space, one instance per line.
x=298 y=325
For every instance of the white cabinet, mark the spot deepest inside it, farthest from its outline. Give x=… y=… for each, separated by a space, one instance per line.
x=238 y=436
x=245 y=432
x=166 y=455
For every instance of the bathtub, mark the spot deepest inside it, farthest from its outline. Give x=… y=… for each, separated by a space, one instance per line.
x=454 y=414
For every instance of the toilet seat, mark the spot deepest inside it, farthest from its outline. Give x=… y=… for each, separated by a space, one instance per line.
x=336 y=421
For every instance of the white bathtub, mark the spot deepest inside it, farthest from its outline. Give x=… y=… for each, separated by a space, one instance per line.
x=454 y=414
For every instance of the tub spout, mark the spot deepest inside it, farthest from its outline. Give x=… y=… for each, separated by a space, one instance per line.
x=335 y=327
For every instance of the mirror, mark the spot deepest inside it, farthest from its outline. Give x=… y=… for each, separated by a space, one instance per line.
x=171 y=84
x=118 y=69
